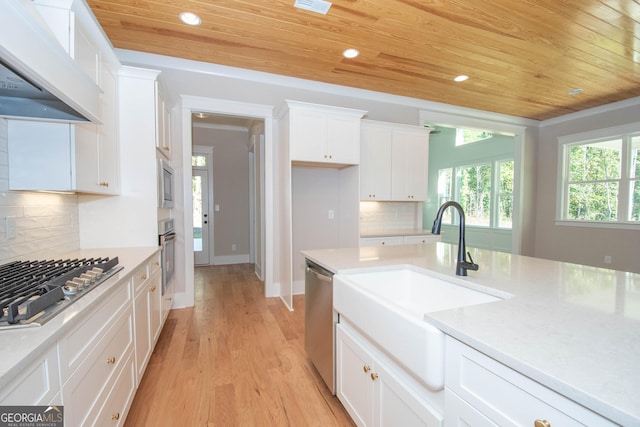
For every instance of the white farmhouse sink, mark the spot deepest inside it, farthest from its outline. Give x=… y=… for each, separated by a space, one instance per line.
x=389 y=306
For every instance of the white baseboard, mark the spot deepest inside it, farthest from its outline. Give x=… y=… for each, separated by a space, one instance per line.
x=298 y=287
x=231 y=259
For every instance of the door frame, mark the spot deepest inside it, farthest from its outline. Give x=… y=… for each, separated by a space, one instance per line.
x=188 y=105
x=208 y=152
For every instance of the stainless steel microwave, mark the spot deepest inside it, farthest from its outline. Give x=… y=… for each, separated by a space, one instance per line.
x=166 y=189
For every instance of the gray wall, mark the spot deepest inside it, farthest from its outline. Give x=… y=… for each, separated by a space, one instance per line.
x=579 y=244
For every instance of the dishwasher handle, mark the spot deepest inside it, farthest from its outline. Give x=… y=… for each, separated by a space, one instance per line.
x=320 y=273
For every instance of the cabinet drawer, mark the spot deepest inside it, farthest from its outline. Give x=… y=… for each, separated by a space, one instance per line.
x=38 y=384
x=507 y=397
x=82 y=391
x=154 y=263
x=427 y=238
x=381 y=241
x=115 y=408
x=75 y=345
x=140 y=276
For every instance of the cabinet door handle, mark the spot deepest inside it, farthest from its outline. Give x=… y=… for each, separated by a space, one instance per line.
x=152 y=289
x=143 y=277
x=374 y=376
x=115 y=416
x=111 y=360
x=541 y=423
x=366 y=368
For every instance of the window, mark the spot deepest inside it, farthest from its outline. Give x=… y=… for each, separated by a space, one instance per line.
x=473 y=188
x=468 y=136
x=198 y=160
x=600 y=179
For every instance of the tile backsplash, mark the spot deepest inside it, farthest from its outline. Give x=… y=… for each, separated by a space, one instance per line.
x=46 y=224
x=381 y=216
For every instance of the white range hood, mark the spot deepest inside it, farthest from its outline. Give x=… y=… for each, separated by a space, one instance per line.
x=29 y=49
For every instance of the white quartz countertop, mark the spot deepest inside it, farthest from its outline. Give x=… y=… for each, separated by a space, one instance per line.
x=572 y=328
x=20 y=346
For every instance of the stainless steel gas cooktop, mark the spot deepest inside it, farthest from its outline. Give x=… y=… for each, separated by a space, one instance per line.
x=33 y=292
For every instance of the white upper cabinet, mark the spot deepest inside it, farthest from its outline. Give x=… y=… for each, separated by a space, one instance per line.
x=394 y=162
x=71 y=157
x=409 y=164
x=163 y=124
x=324 y=134
x=375 y=162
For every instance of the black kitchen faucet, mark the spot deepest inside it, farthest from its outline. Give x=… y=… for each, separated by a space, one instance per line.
x=462 y=264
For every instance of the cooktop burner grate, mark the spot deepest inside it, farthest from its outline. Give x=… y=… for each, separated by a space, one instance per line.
x=32 y=292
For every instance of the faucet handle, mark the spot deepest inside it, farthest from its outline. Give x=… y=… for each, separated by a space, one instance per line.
x=469 y=265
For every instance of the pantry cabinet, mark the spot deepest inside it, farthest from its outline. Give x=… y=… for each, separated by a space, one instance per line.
x=323 y=134
x=394 y=163
x=480 y=391
x=375 y=391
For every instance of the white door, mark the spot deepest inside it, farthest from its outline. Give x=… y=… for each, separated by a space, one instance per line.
x=200 y=186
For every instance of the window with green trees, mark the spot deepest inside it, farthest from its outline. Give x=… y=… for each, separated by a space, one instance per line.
x=600 y=180
x=484 y=190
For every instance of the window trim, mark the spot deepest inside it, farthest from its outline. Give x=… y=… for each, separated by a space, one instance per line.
x=564 y=142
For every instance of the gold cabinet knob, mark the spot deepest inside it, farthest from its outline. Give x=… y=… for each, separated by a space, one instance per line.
x=541 y=423
x=366 y=368
x=104 y=184
x=111 y=360
x=143 y=277
x=115 y=416
x=374 y=376
x=152 y=289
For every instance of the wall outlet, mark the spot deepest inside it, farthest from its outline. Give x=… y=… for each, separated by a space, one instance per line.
x=331 y=214
x=10 y=227
x=607 y=259
x=234 y=247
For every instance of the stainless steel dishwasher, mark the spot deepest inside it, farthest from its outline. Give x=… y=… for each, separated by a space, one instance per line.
x=320 y=322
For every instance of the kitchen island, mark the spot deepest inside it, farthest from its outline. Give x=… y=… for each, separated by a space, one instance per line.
x=574 y=329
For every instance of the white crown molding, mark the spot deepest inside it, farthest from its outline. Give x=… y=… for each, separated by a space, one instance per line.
x=631 y=102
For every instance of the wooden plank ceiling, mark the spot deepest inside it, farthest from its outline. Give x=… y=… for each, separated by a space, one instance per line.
x=522 y=56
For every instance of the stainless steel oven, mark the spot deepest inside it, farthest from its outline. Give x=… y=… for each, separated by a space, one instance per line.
x=167 y=240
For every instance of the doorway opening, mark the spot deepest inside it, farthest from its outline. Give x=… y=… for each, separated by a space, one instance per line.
x=228 y=190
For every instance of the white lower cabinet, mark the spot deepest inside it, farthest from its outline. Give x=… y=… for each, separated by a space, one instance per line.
x=147 y=284
x=375 y=391
x=89 y=388
x=38 y=384
x=479 y=391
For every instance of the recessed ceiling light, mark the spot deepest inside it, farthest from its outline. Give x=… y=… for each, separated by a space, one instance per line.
x=351 y=53
x=575 y=91
x=461 y=78
x=190 y=18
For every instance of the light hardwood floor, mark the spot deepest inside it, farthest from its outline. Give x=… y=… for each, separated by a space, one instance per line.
x=235 y=359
